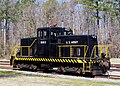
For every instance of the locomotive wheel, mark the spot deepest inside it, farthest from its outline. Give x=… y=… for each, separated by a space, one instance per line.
x=61 y=69
x=79 y=71
x=104 y=69
x=33 y=67
x=88 y=74
x=15 y=66
x=46 y=69
x=19 y=66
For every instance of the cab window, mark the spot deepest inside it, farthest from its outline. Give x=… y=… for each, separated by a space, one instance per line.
x=42 y=34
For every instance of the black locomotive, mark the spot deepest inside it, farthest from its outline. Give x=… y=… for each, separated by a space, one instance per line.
x=57 y=47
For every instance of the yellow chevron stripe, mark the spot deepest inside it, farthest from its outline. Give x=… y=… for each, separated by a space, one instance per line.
x=75 y=61
x=66 y=60
x=72 y=61
x=46 y=59
x=60 y=60
x=79 y=61
x=49 y=60
x=69 y=61
x=52 y=60
x=84 y=61
x=43 y=59
x=63 y=60
x=55 y=60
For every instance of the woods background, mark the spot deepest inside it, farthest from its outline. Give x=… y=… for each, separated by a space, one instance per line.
x=20 y=19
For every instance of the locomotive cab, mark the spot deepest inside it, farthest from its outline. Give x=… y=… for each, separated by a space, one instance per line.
x=48 y=39
x=52 y=32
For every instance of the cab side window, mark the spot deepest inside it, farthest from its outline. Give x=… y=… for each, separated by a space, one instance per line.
x=42 y=34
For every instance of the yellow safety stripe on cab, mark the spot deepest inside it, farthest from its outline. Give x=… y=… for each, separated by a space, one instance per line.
x=50 y=60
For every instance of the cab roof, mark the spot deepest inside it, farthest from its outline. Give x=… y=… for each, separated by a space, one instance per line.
x=54 y=28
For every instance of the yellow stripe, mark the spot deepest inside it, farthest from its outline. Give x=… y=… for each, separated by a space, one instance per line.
x=84 y=61
x=46 y=59
x=55 y=60
x=69 y=60
x=42 y=59
x=60 y=60
x=63 y=60
x=75 y=61
x=72 y=61
x=79 y=61
x=52 y=60
x=66 y=60
x=49 y=60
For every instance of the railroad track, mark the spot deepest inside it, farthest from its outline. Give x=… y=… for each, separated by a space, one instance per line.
x=117 y=77
x=5 y=64
x=114 y=72
x=115 y=65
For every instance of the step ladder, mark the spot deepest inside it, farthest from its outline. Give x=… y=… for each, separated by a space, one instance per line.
x=87 y=67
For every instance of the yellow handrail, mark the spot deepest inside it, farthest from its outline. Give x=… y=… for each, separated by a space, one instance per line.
x=102 y=49
x=72 y=46
x=20 y=47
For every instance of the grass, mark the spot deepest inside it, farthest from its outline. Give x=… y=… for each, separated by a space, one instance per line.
x=8 y=73
x=51 y=81
x=75 y=82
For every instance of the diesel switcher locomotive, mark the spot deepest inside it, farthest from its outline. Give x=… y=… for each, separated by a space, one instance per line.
x=57 y=47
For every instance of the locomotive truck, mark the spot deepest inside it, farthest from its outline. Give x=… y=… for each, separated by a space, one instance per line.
x=58 y=47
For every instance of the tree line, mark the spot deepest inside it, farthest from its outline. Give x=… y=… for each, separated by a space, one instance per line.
x=20 y=19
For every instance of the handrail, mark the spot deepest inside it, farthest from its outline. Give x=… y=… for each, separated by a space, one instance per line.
x=93 y=52
x=101 y=48
x=20 y=47
x=33 y=42
x=72 y=46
